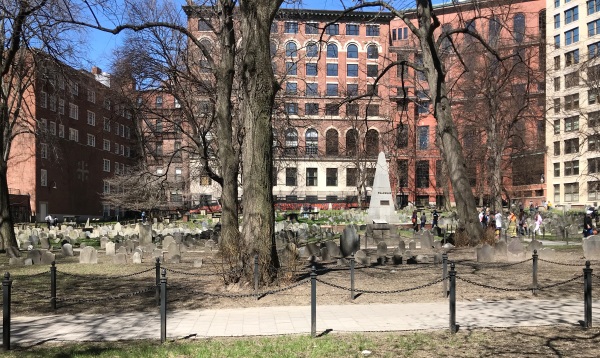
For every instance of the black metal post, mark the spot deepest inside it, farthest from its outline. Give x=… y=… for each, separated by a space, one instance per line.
x=163 y=306
x=587 y=295
x=452 y=278
x=6 y=293
x=256 y=274
x=445 y=273
x=543 y=233
x=313 y=302
x=157 y=294
x=352 y=276
x=535 y=270
x=53 y=285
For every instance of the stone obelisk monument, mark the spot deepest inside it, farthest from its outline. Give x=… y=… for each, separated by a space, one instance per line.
x=381 y=207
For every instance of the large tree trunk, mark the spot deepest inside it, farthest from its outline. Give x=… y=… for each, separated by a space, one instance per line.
x=8 y=240
x=224 y=73
x=258 y=94
x=446 y=128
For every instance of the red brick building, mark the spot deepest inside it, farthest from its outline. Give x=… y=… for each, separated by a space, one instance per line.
x=80 y=135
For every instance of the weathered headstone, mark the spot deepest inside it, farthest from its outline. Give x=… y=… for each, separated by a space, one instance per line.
x=381 y=249
x=67 y=250
x=120 y=259
x=333 y=249
x=591 y=247
x=485 y=253
x=397 y=256
x=362 y=258
x=44 y=243
x=103 y=241
x=88 y=255
x=47 y=258
x=173 y=253
x=412 y=245
x=35 y=256
x=325 y=254
x=136 y=258
x=110 y=248
x=515 y=247
x=313 y=249
x=349 y=242
x=401 y=245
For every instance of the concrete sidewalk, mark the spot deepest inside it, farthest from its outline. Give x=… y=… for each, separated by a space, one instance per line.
x=260 y=321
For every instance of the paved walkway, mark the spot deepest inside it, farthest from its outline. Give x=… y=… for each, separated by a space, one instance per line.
x=261 y=321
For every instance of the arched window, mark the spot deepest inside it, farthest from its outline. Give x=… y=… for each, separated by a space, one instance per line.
x=332 y=51
x=204 y=64
x=312 y=50
x=291 y=141
x=494 y=30
x=446 y=44
x=351 y=142
x=332 y=142
x=519 y=27
x=291 y=49
x=372 y=52
x=312 y=141
x=372 y=142
x=352 y=51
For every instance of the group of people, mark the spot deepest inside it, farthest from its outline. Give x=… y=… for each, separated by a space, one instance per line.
x=423 y=220
x=517 y=223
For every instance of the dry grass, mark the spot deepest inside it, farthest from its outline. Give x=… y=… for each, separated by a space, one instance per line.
x=102 y=288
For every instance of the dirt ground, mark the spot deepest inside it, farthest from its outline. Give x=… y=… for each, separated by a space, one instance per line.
x=105 y=287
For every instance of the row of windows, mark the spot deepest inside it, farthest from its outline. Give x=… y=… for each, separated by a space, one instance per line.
x=332 y=69
x=312 y=28
x=332 y=109
x=571 y=146
x=312 y=50
x=571 y=192
x=332 y=89
x=120 y=168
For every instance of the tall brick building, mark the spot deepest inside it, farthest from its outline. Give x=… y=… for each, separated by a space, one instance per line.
x=80 y=136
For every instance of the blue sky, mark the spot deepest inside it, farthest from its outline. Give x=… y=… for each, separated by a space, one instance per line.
x=101 y=45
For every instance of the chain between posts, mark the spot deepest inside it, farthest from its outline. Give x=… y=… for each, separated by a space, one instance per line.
x=197 y=274
x=495 y=266
x=383 y=292
x=559 y=263
x=105 y=277
x=244 y=295
x=539 y=288
x=82 y=300
x=31 y=275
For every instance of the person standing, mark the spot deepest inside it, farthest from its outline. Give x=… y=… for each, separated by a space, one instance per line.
x=522 y=222
x=49 y=221
x=538 y=223
x=423 y=220
x=413 y=219
x=498 y=219
x=434 y=221
x=588 y=226
x=143 y=216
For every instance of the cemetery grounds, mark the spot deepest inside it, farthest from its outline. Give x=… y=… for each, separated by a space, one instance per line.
x=109 y=288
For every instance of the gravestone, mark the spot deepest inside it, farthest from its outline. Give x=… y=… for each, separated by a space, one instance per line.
x=534 y=245
x=110 y=248
x=333 y=249
x=591 y=247
x=412 y=245
x=485 y=253
x=349 y=242
x=67 y=250
x=382 y=205
x=157 y=254
x=381 y=249
x=500 y=249
x=47 y=258
x=28 y=262
x=88 y=255
x=136 y=258
x=35 y=256
x=167 y=241
x=16 y=261
x=173 y=253
x=120 y=259
x=401 y=245
x=325 y=254
x=515 y=247
x=122 y=250
x=197 y=263
x=210 y=244
x=313 y=249
x=362 y=258
x=103 y=241
x=44 y=243
x=438 y=258
x=397 y=256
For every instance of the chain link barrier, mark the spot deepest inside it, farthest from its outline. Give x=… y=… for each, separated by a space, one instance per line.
x=560 y=263
x=105 y=277
x=201 y=274
x=242 y=295
x=492 y=265
x=383 y=292
x=114 y=297
x=32 y=293
x=31 y=275
x=506 y=289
